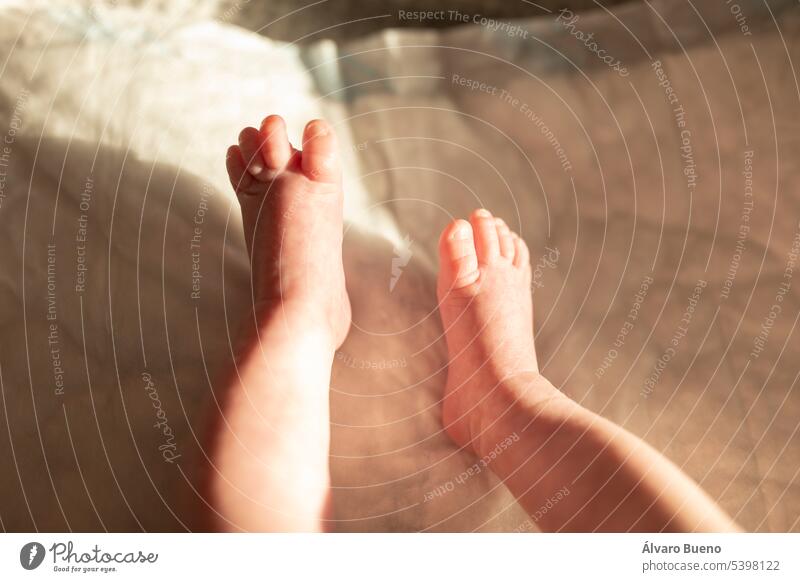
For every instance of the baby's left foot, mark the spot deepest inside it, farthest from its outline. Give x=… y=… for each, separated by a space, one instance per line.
x=271 y=442
x=292 y=212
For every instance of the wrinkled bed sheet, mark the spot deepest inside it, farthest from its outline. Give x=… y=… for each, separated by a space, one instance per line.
x=659 y=198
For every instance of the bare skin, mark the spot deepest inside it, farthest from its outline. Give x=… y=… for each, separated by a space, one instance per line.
x=269 y=453
x=268 y=467
x=609 y=479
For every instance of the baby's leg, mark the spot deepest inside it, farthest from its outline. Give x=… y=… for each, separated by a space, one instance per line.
x=586 y=472
x=270 y=441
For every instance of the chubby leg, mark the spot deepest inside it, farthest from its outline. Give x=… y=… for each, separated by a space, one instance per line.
x=269 y=443
x=602 y=477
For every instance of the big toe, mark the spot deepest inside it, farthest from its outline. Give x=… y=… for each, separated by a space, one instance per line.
x=458 y=261
x=320 y=158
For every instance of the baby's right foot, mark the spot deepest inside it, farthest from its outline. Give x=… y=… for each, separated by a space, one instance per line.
x=484 y=290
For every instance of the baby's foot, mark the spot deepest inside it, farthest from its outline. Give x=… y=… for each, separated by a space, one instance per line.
x=484 y=291
x=270 y=441
x=292 y=211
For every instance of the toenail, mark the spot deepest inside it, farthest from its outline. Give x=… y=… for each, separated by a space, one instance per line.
x=318 y=128
x=461 y=232
x=483 y=213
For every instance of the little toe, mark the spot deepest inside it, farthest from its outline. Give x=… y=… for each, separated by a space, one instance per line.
x=505 y=238
x=487 y=243
x=276 y=151
x=320 y=158
x=241 y=180
x=521 y=254
x=250 y=145
x=457 y=257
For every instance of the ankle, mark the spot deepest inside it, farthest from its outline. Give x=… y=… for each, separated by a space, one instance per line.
x=282 y=345
x=513 y=408
x=286 y=322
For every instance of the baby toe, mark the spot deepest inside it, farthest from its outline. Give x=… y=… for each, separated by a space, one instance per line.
x=487 y=243
x=521 y=253
x=320 y=159
x=505 y=238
